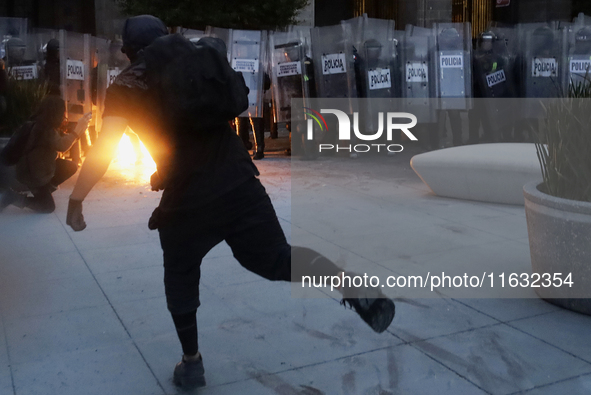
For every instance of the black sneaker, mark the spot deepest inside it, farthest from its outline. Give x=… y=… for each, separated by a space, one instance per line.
x=189 y=374
x=372 y=306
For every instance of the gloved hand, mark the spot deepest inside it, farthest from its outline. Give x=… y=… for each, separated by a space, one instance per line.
x=82 y=124
x=75 y=218
x=154 y=221
x=156 y=182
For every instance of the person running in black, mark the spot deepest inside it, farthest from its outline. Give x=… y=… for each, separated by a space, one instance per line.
x=211 y=194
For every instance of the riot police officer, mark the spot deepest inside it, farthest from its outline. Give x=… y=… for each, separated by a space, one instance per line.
x=580 y=59
x=493 y=83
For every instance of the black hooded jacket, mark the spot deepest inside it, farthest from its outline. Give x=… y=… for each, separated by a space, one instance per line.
x=197 y=167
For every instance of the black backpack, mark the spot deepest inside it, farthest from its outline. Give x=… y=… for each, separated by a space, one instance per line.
x=194 y=83
x=15 y=148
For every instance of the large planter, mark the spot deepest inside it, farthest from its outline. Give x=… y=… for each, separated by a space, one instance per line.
x=560 y=242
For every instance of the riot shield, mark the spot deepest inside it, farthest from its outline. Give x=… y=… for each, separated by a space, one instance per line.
x=579 y=59
x=454 y=80
x=332 y=54
x=543 y=65
x=75 y=65
x=376 y=68
x=305 y=33
x=11 y=28
x=288 y=71
x=22 y=62
x=377 y=58
x=246 y=49
x=494 y=83
x=417 y=56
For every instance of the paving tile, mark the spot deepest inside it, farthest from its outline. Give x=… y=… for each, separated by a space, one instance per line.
x=27 y=223
x=394 y=370
x=510 y=227
x=132 y=284
x=511 y=309
x=6 y=384
x=306 y=330
x=146 y=318
x=455 y=210
x=19 y=245
x=96 y=238
x=383 y=246
x=42 y=268
x=426 y=318
x=51 y=296
x=227 y=356
x=45 y=336
x=576 y=386
x=115 y=258
x=503 y=360
x=4 y=360
x=564 y=329
x=114 y=370
x=273 y=386
x=496 y=257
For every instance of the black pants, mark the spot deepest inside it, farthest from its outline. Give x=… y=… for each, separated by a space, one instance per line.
x=42 y=201
x=246 y=220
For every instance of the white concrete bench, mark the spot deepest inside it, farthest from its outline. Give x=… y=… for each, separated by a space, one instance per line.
x=493 y=173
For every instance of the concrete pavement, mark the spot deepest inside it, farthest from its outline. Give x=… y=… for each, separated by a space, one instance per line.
x=84 y=313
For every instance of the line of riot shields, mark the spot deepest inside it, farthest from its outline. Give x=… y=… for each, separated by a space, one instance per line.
x=441 y=75
x=78 y=67
x=438 y=74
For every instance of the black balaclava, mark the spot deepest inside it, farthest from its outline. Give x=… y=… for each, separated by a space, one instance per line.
x=139 y=32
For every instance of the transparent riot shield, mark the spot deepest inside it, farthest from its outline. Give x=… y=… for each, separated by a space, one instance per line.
x=289 y=71
x=416 y=50
x=332 y=54
x=22 y=60
x=377 y=68
x=305 y=33
x=11 y=28
x=579 y=59
x=356 y=26
x=494 y=83
x=246 y=49
x=334 y=73
x=75 y=61
x=454 y=81
x=543 y=65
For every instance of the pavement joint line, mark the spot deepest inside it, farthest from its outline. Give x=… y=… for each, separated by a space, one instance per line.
x=420 y=340
x=449 y=368
x=550 y=344
x=113 y=308
x=307 y=365
x=508 y=323
x=549 y=384
x=8 y=354
x=496 y=319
